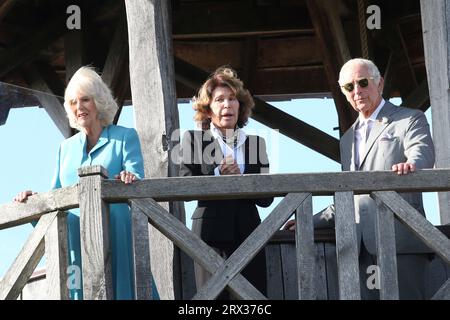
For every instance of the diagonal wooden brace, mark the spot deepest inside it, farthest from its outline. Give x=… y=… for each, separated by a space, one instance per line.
x=251 y=246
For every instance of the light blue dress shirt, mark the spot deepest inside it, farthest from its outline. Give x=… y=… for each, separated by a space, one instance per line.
x=117 y=149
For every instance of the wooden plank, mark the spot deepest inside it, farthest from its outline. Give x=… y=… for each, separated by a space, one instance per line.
x=296 y=129
x=386 y=252
x=141 y=255
x=28 y=258
x=320 y=275
x=274 y=272
x=290 y=272
x=331 y=271
x=346 y=247
x=270 y=116
x=115 y=70
x=56 y=253
x=49 y=101
x=435 y=25
x=14 y=213
x=332 y=60
x=152 y=79
x=250 y=247
x=305 y=251
x=94 y=236
x=443 y=293
x=190 y=243
x=437 y=274
x=212 y=21
x=263 y=185
x=431 y=236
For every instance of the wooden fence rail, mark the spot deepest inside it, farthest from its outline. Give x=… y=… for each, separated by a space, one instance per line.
x=93 y=193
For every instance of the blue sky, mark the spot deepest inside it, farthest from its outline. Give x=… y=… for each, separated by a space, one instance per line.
x=29 y=142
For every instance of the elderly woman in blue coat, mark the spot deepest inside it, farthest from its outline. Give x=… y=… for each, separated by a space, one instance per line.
x=91 y=108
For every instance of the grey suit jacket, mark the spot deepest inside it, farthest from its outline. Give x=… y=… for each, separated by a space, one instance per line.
x=399 y=135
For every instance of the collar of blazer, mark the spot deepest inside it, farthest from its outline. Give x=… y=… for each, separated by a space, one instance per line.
x=102 y=140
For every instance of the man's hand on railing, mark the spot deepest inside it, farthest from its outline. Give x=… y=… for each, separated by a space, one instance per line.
x=290 y=225
x=404 y=167
x=126 y=177
x=23 y=196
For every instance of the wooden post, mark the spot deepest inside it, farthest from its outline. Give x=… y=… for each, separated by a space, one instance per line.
x=346 y=247
x=436 y=42
x=56 y=251
x=152 y=80
x=141 y=255
x=386 y=252
x=304 y=242
x=94 y=235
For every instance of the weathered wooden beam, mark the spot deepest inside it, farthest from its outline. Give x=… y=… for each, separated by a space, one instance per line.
x=443 y=293
x=190 y=243
x=390 y=74
x=115 y=70
x=270 y=116
x=56 y=253
x=23 y=266
x=152 y=79
x=4 y=111
x=332 y=60
x=141 y=254
x=305 y=251
x=195 y=21
x=259 y=186
x=386 y=252
x=250 y=247
x=410 y=217
x=96 y=257
x=15 y=214
x=346 y=246
x=27 y=50
x=274 y=275
x=419 y=98
x=47 y=98
x=436 y=42
x=297 y=130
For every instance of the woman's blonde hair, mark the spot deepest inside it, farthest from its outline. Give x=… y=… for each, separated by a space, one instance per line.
x=89 y=83
x=223 y=77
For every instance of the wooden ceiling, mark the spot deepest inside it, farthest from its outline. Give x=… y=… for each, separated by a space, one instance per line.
x=281 y=48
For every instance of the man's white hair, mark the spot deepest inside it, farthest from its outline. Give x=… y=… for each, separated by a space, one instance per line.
x=89 y=83
x=371 y=67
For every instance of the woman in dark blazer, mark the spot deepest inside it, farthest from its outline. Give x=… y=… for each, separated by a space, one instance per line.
x=222 y=108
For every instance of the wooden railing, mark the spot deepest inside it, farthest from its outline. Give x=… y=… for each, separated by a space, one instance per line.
x=94 y=192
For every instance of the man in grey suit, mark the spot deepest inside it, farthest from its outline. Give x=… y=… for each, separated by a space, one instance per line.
x=384 y=137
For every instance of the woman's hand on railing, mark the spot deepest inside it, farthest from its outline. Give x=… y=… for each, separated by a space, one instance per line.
x=126 y=177
x=290 y=225
x=23 y=196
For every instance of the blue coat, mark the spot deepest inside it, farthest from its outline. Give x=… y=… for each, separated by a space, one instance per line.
x=117 y=149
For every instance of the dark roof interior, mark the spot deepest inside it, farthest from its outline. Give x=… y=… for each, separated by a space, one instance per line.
x=280 y=48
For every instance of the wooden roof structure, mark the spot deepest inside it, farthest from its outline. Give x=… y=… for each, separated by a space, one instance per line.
x=282 y=49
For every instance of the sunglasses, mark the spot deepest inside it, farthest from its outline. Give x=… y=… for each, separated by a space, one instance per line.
x=363 y=83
